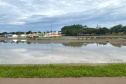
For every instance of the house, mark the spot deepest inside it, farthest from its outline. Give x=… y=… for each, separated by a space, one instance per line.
x=23 y=35
x=46 y=35
x=8 y=35
x=32 y=36
x=14 y=36
x=54 y=34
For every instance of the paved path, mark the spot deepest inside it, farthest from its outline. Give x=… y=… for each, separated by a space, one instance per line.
x=85 y=80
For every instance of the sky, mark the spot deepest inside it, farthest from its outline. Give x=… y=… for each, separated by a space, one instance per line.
x=37 y=15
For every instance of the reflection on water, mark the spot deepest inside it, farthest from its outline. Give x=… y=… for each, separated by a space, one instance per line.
x=80 y=44
x=23 y=52
x=70 y=44
x=13 y=41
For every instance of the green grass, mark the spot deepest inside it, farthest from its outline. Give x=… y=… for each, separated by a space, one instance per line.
x=57 y=36
x=107 y=35
x=115 y=35
x=62 y=71
x=53 y=37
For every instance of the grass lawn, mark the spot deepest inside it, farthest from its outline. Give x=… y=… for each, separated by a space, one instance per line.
x=115 y=35
x=107 y=35
x=62 y=71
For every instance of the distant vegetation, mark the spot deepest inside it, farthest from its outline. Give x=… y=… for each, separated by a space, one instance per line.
x=75 y=30
x=61 y=71
x=78 y=30
x=19 y=32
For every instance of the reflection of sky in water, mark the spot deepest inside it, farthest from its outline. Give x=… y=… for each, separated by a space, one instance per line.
x=23 y=53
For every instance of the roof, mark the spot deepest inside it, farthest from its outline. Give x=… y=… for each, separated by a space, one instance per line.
x=14 y=35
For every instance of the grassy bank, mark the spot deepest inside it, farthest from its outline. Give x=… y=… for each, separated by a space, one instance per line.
x=58 y=71
x=107 y=35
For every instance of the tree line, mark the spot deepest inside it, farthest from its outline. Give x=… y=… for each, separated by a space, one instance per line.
x=75 y=30
x=19 y=32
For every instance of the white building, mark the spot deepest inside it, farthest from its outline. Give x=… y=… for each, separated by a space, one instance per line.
x=23 y=36
x=14 y=36
x=54 y=34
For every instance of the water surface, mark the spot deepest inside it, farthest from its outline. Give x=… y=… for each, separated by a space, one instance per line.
x=14 y=52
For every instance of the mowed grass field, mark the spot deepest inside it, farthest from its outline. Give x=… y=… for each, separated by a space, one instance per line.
x=62 y=71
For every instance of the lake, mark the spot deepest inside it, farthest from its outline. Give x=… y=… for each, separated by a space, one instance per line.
x=17 y=52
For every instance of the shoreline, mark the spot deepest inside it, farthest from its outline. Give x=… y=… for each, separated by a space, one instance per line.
x=115 y=41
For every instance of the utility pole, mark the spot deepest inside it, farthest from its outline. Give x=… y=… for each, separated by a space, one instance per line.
x=51 y=30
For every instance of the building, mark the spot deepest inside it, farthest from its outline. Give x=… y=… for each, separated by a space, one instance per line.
x=23 y=35
x=32 y=36
x=54 y=33
x=14 y=36
x=8 y=35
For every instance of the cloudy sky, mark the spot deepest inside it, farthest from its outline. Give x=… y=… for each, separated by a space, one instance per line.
x=37 y=15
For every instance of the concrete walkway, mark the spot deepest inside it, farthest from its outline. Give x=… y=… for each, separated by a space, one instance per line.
x=85 y=80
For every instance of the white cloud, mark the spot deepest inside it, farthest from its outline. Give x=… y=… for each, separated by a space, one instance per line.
x=17 y=23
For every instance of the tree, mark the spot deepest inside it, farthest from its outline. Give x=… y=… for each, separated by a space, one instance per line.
x=4 y=33
x=124 y=29
x=117 y=28
x=29 y=32
x=72 y=30
x=39 y=31
x=90 y=31
x=112 y=30
x=104 y=30
x=85 y=26
x=79 y=30
x=12 y=32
